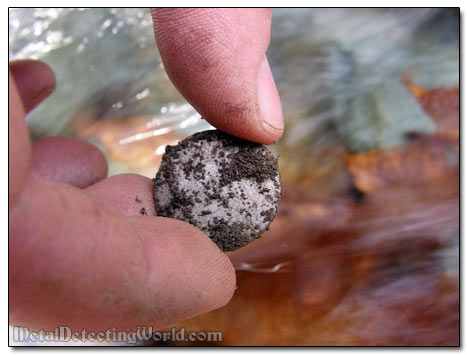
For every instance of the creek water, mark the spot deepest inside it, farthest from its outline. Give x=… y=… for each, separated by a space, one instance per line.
x=360 y=253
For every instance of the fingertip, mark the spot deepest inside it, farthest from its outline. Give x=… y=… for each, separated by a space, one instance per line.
x=35 y=81
x=216 y=64
x=68 y=160
x=199 y=277
x=131 y=194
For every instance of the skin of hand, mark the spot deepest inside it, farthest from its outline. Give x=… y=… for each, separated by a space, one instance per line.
x=80 y=253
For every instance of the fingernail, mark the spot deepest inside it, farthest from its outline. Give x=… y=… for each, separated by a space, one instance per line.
x=42 y=93
x=37 y=97
x=268 y=99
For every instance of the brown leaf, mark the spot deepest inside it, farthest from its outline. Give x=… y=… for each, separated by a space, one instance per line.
x=441 y=104
x=424 y=161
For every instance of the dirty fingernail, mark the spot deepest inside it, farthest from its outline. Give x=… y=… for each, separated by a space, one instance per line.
x=268 y=99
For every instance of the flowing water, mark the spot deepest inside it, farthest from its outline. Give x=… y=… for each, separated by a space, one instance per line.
x=364 y=249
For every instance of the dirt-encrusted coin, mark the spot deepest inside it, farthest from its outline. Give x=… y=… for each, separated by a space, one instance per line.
x=225 y=186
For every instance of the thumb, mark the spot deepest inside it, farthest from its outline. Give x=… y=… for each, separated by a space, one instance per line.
x=216 y=59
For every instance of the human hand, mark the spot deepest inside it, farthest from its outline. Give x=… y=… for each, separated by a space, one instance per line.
x=217 y=59
x=81 y=254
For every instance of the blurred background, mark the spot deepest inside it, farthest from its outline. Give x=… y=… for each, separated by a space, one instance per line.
x=364 y=249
